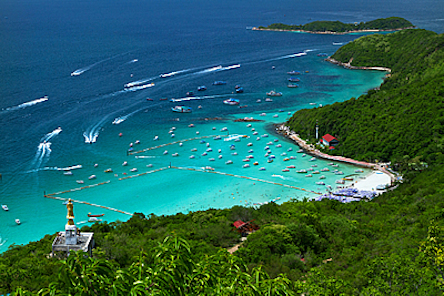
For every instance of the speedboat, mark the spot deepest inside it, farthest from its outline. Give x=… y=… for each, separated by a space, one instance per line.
x=228 y=162
x=95 y=215
x=68 y=173
x=320 y=183
x=292 y=85
x=192 y=156
x=182 y=109
x=201 y=88
x=239 y=90
x=156 y=138
x=246 y=165
x=175 y=154
x=18 y=221
x=92 y=177
x=231 y=101
x=274 y=94
x=294 y=79
x=268 y=100
x=125 y=163
x=94 y=219
x=80 y=181
x=262 y=169
x=165 y=152
x=5 y=207
x=190 y=94
x=109 y=170
x=294 y=73
x=133 y=170
x=219 y=83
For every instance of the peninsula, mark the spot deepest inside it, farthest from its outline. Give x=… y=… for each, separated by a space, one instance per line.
x=340 y=28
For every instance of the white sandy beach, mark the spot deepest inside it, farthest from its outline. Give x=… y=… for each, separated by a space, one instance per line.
x=372 y=180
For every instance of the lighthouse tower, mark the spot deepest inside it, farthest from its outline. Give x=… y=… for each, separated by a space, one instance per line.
x=72 y=239
x=70 y=227
x=317 y=130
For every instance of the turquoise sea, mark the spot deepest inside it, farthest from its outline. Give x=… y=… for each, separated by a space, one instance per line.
x=64 y=67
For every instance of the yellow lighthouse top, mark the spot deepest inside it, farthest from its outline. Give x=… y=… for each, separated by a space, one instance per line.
x=70 y=215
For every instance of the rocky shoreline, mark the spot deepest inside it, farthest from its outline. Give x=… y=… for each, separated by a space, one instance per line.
x=349 y=66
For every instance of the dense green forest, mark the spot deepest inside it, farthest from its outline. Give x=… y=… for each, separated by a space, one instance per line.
x=401 y=122
x=392 y=245
x=391 y=23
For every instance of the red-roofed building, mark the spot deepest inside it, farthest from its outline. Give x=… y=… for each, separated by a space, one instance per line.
x=329 y=140
x=239 y=224
x=245 y=227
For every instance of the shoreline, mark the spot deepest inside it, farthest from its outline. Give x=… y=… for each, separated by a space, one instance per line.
x=349 y=66
x=310 y=149
x=332 y=32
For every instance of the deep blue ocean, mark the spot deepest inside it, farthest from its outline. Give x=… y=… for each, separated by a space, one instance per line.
x=63 y=70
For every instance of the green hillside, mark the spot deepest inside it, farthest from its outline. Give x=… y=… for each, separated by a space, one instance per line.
x=403 y=121
x=391 y=23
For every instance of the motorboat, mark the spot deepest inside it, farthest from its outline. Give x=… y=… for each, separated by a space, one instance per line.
x=165 y=152
x=125 y=163
x=320 y=183
x=92 y=177
x=262 y=169
x=285 y=170
x=156 y=138
x=95 y=215
x=18 y=221
x=268 y=100
x=192 y=156
x=80 y=181
x=292 y=85
x=133 y=170
x=182 y=109
x=229 y=162
x=294 y=79
x=175 y=154
x=190 y=94
x=68 y=173
x=302 y=171
x=239 y=90
x=5 y=207
x=256 y=163
x=274 y=94
x=294 y=73
x=219 y=82
x=94 y=219
x=246 y=165
x=231 y=101
x=201 y=88
x=109 y=170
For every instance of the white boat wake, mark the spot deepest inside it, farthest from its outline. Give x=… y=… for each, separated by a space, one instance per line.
x=139 y=87
x=139 y=82
x=44 y=148
x=174 y=73
x=27 y=104
x=218 y=68
x=52 y=134
x=92 y=133
x=43 y=151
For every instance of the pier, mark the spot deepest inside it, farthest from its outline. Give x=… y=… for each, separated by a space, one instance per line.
x=244 y=177
x=53 y=196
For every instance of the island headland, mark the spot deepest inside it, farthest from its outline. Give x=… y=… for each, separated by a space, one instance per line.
x=339 y=28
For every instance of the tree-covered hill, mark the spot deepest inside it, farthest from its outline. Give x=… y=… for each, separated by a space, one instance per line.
x=391 y=23
x=401 y=122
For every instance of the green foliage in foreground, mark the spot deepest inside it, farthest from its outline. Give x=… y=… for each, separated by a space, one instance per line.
x=391 y=23
x=392 y=245
x=403 y=121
